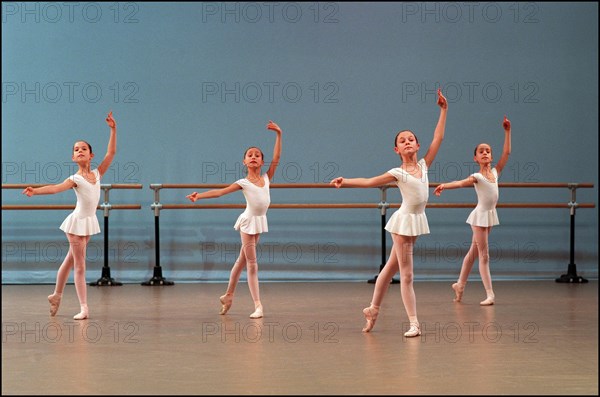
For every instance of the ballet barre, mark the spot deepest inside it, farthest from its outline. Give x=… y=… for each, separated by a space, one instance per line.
x=105 y=279
x=570 y=277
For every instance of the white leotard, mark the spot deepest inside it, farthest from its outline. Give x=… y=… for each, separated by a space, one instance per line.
x=410 y=218
x=254 y=219
x=83 y=220
x=485 y=214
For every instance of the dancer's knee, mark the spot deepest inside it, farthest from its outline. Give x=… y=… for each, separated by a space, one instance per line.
x=252 y=267
x=406 y=278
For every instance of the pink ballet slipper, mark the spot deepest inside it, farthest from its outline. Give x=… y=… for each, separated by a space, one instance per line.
x=414 y=330
x=371 y=314
x=490 y=300
x=54 y=300
x=226 y=302
x=83 y=314
x=258 y=312
x=459 y=289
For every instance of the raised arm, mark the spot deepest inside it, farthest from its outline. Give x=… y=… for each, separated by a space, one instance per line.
x=506 y=148
x=276 y=149
x=49 y=189
x=470 y=181
x=438 y=134
x=375 y=181
x=213 y=193
x=112 y=145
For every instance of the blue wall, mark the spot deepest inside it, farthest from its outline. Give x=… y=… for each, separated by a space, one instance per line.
x=192 y=85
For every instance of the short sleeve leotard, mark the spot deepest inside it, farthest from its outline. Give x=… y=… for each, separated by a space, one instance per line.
x=485 y=214
x=410 y=218
x=254 y=219
x=83 y=221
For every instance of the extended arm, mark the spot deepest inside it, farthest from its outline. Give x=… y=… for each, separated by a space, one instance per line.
x=438 y=134
x=276 y=149
x=470 y=181
x=506 y=149
x=49 y=189
x=112 y=145
x=213 y=193
x=375 y=181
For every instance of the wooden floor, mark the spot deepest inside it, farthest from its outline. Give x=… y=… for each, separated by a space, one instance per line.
x=541 y=337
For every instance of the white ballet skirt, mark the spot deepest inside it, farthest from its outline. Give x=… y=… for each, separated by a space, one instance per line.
x=83 y=221
x=410 y=218
x=254 y=219
x=485 y=214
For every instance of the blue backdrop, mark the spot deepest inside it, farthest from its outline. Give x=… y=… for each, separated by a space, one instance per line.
x=192 y=85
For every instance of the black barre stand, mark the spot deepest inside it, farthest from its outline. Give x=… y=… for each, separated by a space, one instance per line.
x=157 y=278
x=571 y=277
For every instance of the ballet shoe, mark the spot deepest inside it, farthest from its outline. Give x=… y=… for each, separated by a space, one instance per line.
x=54 y=301
x=83 y=314
x=414 y=330
x=258 y=312
x=371 y=314
x=226 y=302
x=459 y=289
x=488 y=301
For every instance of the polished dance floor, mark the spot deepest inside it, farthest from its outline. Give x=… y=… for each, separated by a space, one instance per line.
x=541 y=337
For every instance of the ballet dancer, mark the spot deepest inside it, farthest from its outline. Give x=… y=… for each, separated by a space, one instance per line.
x=82 y=223
x=408 y=222
x=252 y=222
x=484 y=216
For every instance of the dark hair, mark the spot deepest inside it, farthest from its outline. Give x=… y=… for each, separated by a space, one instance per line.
x=475 y=151
x=396 y=139
x=262 y=156
x=90 y=146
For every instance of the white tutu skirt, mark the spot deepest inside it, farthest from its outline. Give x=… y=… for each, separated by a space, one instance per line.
x=407 y=224
x=80 y=226
x=252 y=224
x=483 y=218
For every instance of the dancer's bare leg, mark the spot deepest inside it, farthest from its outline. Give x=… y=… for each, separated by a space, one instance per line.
x=78 y=247
x=62 y=276
x=249 y=243
x=384 y=278
x=403 y=247
x=480 y=235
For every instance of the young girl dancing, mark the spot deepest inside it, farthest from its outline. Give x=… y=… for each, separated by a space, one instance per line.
x=408 y=222
x=484 y=216
x=82 y=222
x=252 y=222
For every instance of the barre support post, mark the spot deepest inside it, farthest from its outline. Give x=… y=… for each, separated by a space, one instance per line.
x=571 y=276
x=157 y=277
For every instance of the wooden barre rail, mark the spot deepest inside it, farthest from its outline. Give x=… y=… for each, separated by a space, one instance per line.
x=327 y=185
x=372 y=205
x=102 y=185
x=69 y=207
x=298 y=185
x=299 y=206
